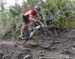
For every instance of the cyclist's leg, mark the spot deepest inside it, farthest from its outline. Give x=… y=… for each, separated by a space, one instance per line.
x=23 y=28
x=24 y=25
x=31 y=30
x=30 y=26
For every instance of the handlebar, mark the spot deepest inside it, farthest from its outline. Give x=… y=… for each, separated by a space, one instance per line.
x=39 y=26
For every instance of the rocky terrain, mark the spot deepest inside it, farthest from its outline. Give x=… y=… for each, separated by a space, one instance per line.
x=63 y=48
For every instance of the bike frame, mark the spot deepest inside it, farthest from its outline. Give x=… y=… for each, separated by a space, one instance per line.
x=34 y=30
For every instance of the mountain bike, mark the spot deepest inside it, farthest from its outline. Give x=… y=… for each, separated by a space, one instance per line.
x=42 y=35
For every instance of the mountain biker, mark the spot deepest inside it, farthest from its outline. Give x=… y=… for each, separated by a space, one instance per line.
x=28 y=16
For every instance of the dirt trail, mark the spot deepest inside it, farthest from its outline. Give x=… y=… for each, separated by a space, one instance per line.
x=64 y=48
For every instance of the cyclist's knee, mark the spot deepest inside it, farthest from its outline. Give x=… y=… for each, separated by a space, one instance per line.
x=23 y=27
x=24 y=24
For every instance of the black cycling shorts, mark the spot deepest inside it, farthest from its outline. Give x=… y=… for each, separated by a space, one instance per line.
x=25 y=19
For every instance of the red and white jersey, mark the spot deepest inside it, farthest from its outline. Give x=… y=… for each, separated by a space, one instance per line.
x=30 y=13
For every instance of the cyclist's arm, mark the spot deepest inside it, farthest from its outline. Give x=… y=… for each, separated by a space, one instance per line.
x=36 y=20
x=32 y=19
x=40 y=23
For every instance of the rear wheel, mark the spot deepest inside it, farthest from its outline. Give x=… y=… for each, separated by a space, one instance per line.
x=44 y=38
x=17 y=33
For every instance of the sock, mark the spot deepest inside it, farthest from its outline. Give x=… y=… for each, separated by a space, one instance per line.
x=22 y=33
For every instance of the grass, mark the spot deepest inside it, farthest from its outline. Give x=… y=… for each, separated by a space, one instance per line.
x=70 y=23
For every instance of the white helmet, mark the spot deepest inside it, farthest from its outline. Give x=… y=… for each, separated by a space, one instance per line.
x=37 y=7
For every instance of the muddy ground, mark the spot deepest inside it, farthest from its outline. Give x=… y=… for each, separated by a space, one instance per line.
x=63 y=48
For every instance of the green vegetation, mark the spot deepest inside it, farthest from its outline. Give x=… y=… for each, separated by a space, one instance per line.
x=52 y=10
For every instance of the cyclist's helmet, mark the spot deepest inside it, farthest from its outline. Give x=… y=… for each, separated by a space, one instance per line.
x=37 y=7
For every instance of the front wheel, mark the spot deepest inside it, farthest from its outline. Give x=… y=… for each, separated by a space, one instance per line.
x=44 y=38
